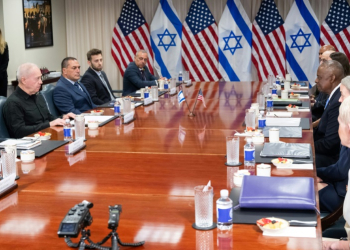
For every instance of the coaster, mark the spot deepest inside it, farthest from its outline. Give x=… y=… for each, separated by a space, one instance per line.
x=204 y=228
x=232 y=165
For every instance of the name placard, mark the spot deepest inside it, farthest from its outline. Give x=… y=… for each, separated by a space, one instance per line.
x=173 y=91
x=147 y=101
x=7 y=182
x=129 y=117
x=75 y=146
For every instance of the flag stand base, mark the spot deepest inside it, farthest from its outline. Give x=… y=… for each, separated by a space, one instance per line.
x=191 y=114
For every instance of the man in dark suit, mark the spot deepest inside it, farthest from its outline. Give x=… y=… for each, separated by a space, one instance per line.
x=95 y=80
x=137 y=75
x=69 y=95
x=326 y=138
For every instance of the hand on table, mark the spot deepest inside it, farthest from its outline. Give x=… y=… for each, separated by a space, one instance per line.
x=69 y=115
x=57 y=122
x=335 y=245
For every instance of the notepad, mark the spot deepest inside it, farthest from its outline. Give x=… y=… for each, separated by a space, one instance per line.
x=21 y=144
x=305 y=232
x=283 y=122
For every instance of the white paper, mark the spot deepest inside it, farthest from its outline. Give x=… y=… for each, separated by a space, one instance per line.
x=138 y=91
x=129 y=117
x=298 y=166
x=303 y=110
x=21 y=144
x=305 y=232
x=99 y=118
x=299 y=90
x=291 y=100
x=173 y=91
x=283 y=122
x=279 y=114
x=304 y=97
x=147 y=101
x=7 y=182
x=75 y=145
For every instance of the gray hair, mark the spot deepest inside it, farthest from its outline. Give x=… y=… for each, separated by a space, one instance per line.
x=141 y=51
x=344 y=111
x=24 y=70
x=336 y=68
x=346 y=82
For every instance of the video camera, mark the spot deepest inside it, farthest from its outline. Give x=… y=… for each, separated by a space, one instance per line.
x=77 y=218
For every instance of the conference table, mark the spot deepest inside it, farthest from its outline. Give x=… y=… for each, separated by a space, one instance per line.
x=150 y=167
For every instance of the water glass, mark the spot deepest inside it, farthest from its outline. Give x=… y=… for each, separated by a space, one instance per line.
x=266 y=89
x=8 y=160
x=250 y=119
x=172 y=83
x=186 y=75
x=127 y=105
x=79 y=125
x=203 y=203
x=154 y=91
x=232 y=150
x=261 y=100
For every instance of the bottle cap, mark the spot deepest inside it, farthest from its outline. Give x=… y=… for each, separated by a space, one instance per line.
x=180 y=72
x=224 y=193
x=249 y=139
x=67 y=120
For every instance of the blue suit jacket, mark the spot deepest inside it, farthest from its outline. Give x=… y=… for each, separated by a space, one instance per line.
x=132 y=80
x=337 y=174
x=69 y=98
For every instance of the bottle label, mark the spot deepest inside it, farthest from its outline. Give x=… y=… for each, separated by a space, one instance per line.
x=67 y=132
x=180 y=78
x=269 y=103
x=274 y=91
x=146 y=94
x=224 y=215
x=117 y=109
x=278 y=82
x=262 y=123
x=249 y=154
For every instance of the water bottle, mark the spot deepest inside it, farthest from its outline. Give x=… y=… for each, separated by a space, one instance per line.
x=180 y=76
x=224 y=211
x=146 y=94
x=249 y=154
x=274 y=88
x=269 y=103
x=116 y=108
x=67 y=131
x=261 y=120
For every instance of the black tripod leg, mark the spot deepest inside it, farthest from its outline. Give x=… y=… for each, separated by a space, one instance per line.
x=82 y=245
x=114 y=240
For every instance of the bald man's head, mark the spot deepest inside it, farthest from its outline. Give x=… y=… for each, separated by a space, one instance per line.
x=326 y=56
x=325 y=48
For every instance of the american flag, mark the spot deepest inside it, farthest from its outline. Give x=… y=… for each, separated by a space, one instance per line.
x=335 y=29
x=201 y=97
x=269 y=38
x=130 y=34
x=200 y=43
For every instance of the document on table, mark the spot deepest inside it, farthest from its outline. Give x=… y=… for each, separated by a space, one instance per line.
x=279 y=114
x=283 y=122
x=297 y=166
x=99 y=118
x=21 y=144
x=304 y=232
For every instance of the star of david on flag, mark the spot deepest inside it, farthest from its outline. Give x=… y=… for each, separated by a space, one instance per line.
x=302 y=42
x=166 y=34
x=180 y=97
x=235 y=43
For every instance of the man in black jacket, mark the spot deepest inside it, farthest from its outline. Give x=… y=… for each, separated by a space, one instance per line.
x=326 y=138
x=95 y=80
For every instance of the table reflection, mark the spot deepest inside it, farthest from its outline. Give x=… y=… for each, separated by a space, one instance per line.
x=161 y=233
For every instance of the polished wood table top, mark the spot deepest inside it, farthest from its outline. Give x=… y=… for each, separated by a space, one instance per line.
x=150 y=167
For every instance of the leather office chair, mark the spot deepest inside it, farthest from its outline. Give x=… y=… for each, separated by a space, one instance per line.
x=333 y=224
x=47 y=94
x=3 y=129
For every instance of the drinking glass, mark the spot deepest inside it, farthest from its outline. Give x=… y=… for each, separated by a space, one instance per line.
x=232 y=150
x=186 y=75
x=154 y=91
x=79 y=125
x=261 y=101
x=250 y=119
x=127 y=105
x=204 y=240
x=8 y=160
x=203 y=203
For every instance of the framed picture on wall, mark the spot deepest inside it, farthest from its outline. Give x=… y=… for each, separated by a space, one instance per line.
x=37 y=18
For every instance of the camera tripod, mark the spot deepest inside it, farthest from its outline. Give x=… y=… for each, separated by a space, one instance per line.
x=85 y=234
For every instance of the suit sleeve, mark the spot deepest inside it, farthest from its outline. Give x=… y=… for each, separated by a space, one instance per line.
x=133 y=77
x=338 y=171
x=63 y=101
x=88 y=82
x=150 y=76
x=331 y=139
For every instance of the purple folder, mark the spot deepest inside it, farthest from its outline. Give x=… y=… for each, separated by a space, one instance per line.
x=277 y=192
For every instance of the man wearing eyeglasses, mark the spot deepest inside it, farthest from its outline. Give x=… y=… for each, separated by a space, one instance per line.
x=25 y=111
x=137 y=75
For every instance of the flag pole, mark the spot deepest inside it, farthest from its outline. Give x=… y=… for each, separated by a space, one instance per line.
x=192 y=114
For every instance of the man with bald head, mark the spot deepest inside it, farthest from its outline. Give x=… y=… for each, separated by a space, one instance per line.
x=25 y=111
x=137 y=75
x=324 y=48
x=326 y=56
x=326 y=138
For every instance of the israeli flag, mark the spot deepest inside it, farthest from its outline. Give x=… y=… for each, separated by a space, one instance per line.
x=302 y=42
x=235 y=43
x=180 y=97
x=166 y=32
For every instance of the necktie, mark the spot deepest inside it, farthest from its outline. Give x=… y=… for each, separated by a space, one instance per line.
x=326 y=103
x=105 y=83
x=143 y=75
x=77 y=86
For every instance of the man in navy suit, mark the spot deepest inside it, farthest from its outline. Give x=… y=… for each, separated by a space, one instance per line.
x=137 y=75
x=69 y=95
x=326 y=138
x=95 y=80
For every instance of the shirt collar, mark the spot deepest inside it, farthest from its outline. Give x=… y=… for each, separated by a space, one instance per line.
x=23 y=94
x=97 y=72
x=70 y=81
x=330 y=96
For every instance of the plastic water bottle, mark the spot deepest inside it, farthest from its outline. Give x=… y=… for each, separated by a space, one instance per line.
x=249 y=154
x=146 y=93
x=67 y=131
x=269 y=103
x=224 y=211
x=116 y=108
x=274 y=89
x=261 y=120
x=180 y=76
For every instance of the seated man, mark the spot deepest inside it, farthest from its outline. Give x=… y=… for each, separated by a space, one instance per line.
x=25 y=112
x=95 y=80
x=344 y=88
x=326 y=139
x=137 y=75
x=69 y=95
x=323 y=49
x=332 y=180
